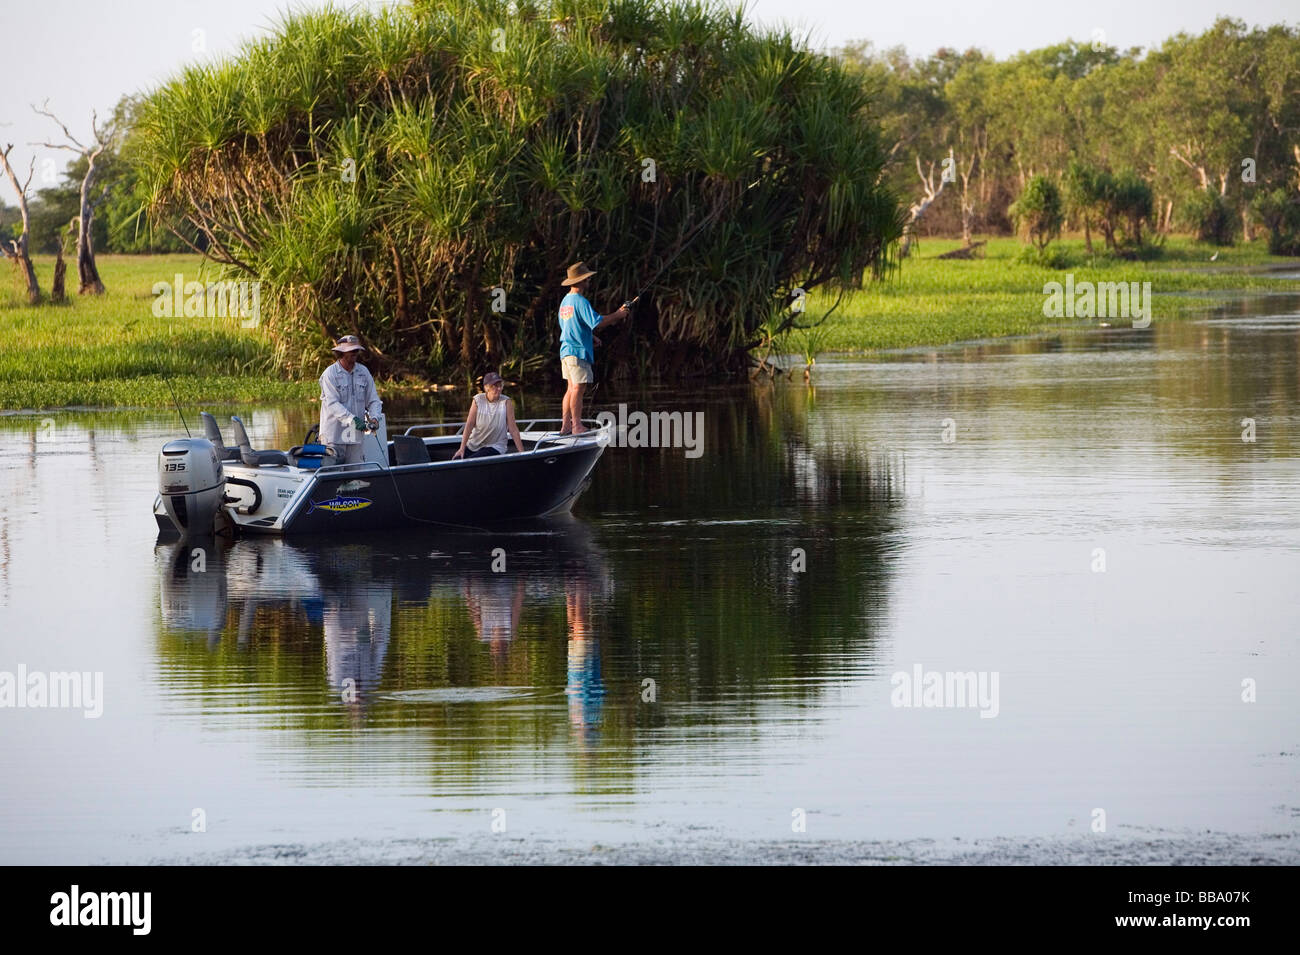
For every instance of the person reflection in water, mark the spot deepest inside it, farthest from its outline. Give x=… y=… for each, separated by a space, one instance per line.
x=356 y=641
x=495 y=605
x=585 y=688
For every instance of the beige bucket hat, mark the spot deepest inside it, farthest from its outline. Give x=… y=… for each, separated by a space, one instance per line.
x=577 y=272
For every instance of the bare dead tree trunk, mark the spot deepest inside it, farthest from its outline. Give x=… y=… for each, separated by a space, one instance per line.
x=978 y=148
x=967 y=204
x=17 y=249
x=57 y=294
x=57 y=291
x=87 y=271
x=917 y=209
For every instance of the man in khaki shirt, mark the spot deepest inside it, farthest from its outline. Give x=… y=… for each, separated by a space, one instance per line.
x=349 y=403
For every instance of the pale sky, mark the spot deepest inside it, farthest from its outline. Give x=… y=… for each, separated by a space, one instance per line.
x=84 y=54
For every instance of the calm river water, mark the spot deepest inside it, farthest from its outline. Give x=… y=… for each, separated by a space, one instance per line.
x=1076 y=517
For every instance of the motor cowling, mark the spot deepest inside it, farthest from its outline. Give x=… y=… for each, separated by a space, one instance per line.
x=191 y=483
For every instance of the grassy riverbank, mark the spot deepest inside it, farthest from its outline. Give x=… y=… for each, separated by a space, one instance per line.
x=111 y=350
x=937 y=302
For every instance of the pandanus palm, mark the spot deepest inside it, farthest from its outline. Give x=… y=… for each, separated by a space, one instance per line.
x=387 y=172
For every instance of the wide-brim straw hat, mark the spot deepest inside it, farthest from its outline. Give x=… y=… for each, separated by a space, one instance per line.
x=348 y=343
x=577 y=272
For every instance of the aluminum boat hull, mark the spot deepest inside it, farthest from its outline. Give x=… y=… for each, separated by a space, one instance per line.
x=480 y=492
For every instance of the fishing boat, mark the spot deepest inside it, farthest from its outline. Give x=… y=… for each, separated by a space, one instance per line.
x=206 y=487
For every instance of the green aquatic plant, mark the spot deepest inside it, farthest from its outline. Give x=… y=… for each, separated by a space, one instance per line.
x=812 y=342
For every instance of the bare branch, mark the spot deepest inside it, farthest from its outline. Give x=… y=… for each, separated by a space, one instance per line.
x=13 y=178
x=44 y=111
x=103 y=195
x=104 y=135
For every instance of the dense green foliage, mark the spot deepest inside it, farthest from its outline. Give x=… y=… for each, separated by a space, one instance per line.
x=1280 y=215
x=1039 y=211
x=386 y=173
x=1210 y=217
x=1205 y=124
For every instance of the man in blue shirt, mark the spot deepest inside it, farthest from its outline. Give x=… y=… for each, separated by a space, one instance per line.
x=577 y=351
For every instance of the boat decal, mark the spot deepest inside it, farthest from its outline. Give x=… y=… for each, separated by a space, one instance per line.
x=285 y=492
x=340 y=504
x=354 y=485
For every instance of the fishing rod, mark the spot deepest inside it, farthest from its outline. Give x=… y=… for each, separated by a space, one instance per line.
x=383 y=451
x=699 y=230
x=631 y=303
x=177 y=403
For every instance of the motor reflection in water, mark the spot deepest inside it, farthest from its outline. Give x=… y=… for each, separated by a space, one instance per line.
x=272 y=597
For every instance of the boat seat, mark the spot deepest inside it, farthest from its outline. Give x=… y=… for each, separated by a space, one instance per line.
x=251 y=458
x=310 y=456
x=212 y=431
x=409 y=449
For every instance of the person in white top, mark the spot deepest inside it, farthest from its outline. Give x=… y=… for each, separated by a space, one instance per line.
x=349 y=403
x=491 y=419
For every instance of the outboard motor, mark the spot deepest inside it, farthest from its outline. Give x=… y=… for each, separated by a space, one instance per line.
x=192 y=484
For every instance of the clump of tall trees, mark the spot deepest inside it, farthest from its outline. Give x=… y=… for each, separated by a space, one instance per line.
x=1201 y=133
x=421 y=177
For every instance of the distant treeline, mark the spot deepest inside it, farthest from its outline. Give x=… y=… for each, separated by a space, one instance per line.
x=1208 y=125
x=1195 y=119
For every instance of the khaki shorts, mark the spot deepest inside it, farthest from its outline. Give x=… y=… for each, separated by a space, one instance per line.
x=576 y=370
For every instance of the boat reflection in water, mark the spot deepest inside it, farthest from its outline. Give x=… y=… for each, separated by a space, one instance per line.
x=275 y=597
